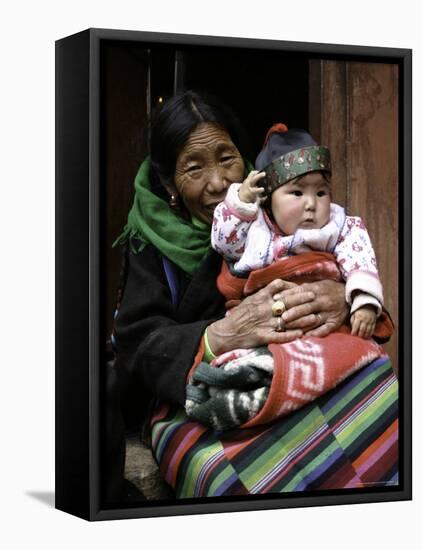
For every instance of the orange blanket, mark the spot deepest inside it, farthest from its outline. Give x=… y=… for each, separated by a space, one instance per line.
x=308 y=367
x=303 y=268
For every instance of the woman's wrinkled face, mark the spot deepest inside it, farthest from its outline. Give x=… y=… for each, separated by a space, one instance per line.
x=208 y=163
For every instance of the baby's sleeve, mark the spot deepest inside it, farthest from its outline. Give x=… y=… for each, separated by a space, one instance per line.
x=232 y=221
x=356 y=258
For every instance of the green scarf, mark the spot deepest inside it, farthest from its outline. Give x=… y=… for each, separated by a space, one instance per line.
x=152 y=221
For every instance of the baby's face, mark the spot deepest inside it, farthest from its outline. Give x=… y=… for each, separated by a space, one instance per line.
x=302 y=203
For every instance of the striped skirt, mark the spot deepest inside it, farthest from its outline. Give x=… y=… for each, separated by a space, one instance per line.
x=347 y=438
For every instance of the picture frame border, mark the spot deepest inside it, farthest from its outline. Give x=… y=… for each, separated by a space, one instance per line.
x=78 y=234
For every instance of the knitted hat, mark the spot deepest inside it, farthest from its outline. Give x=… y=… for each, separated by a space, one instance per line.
x=288 y=154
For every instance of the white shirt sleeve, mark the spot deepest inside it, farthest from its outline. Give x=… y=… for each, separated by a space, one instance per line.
x=232 y=221
x=356 y=258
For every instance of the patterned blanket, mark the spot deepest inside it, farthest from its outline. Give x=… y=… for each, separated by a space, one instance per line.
x=250 y=387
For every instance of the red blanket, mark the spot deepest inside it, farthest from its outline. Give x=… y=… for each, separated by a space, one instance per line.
x=308 y=367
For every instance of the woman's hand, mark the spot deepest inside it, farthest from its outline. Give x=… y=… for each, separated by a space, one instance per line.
x=321 y=316
x=252 y=324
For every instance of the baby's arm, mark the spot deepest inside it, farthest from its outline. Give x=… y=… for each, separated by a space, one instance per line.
x=234 y=216
x=363 y=321
x=356 y=259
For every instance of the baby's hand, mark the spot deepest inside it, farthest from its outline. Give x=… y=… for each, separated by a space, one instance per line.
x=363 y=321
x=248 y=191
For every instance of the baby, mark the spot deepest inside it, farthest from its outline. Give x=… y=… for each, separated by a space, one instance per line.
x=284 y=208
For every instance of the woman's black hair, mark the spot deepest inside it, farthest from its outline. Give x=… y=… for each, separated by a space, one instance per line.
x=172 y=125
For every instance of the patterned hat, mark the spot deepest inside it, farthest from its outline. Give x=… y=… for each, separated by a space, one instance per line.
x=288 y=154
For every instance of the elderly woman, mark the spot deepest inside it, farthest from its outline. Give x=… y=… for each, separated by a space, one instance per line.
x=171 y=318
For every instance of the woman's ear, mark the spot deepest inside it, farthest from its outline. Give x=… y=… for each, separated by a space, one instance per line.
x=173 y=196
x=171 y=189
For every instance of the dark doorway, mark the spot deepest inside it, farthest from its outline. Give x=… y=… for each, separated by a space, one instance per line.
x=261 y=86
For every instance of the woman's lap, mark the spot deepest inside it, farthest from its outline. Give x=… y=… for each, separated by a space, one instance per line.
x=345 y=439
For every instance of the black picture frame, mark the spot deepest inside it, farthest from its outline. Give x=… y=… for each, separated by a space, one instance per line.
x=79 y=271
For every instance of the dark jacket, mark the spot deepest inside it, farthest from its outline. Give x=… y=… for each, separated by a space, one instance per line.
x=157 y=340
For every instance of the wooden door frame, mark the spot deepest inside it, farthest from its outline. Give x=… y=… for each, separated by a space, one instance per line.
x=354 y=110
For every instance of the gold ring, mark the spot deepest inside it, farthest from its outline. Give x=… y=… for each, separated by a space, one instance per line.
x=321 y=322
x=280 y=325
x=278 y=308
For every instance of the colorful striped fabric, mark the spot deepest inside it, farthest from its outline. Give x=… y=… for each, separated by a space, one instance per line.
x=347 y=438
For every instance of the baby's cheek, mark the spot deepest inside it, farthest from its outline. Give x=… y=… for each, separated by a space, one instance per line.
x=293 y=213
